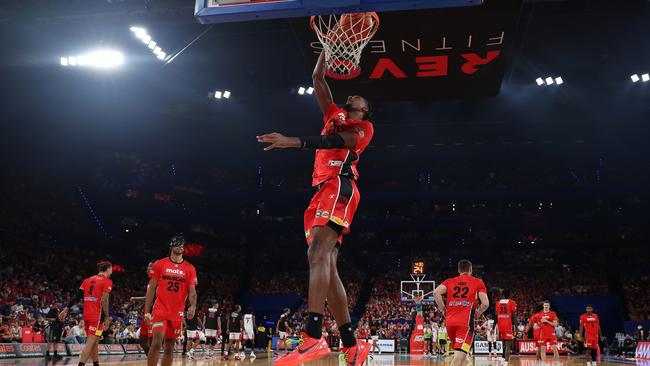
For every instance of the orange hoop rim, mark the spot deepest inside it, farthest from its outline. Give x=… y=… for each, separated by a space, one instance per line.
x=312 y=24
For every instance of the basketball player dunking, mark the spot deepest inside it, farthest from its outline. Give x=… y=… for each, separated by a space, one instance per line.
x=345 y=135
x=466 y=301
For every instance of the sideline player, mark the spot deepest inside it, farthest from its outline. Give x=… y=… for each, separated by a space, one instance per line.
x=249 y=333
x=145 y=331
x=192 y=337
x=284 y=330
x=505 y=310
x=345 y=135
x=172 y=281
x=374 y=335
x=234 y=332
x=492 y=334
x=466 y=301
x=533 y=322
x=212 y=321
x=548 y=321
x=95 y=292
x=590 y=329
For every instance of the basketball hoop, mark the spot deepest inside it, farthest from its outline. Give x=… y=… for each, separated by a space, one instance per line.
x=343 y=38
x=417 y=300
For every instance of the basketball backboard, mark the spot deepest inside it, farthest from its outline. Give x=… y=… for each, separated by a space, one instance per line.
x=417 y=287
x=221 y=11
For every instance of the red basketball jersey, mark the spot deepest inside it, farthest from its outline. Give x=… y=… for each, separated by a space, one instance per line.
x=591 y=323
x=504 y=309
x=462 y=299
x=174 y=281
x=330 y=163
x=548 y=330
x=94 y=287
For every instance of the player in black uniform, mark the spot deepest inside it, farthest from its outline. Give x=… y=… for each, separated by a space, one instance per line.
x=191 y=335
x=234 y=327
x=212 y=321
x=283 y=329
x=54 y=330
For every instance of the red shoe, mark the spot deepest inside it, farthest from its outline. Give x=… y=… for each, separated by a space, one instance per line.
x=357 y=355
x=310 y=349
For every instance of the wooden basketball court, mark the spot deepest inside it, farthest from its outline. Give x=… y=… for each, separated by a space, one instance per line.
x=264 y=359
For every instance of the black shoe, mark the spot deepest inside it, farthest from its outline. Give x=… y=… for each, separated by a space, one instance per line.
x=57 y=357
x=48 y=357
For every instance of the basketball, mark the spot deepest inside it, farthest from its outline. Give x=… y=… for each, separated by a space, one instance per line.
x=353 y=28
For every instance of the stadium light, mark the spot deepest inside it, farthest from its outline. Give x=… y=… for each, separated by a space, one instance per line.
x=645 y=78
x=635 y=78
x=302 y=90
x=218 y=95
x=310 y=90
x=549 y=81
x=142 y=35
x=100 y=59
x=226 y=94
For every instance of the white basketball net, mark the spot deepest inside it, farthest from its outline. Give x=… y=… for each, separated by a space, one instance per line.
x=343 y=38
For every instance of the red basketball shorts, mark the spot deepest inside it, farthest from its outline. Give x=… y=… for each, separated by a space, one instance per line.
x=93 y=327
x=505 y=333
x=145 y=329
x=460 y=337
x=546 y=339
x=171 y=328
x=591 y=341
x=336 y=200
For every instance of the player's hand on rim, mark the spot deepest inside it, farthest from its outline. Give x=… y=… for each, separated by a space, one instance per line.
x=278 y=141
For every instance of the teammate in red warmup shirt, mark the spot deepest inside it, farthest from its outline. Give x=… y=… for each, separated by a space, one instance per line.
x=466 y=301
x=145 y=331
x=533 y=322
x=548 y=321
x=590 y=329
x=94 y=291
x=505 y=310
x=345 y=135
x=172 y=281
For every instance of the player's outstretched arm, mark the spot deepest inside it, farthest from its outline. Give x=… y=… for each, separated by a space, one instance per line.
x=323 y=92
x=336 y=141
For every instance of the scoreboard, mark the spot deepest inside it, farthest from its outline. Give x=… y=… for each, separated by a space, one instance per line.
x=418 y=268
